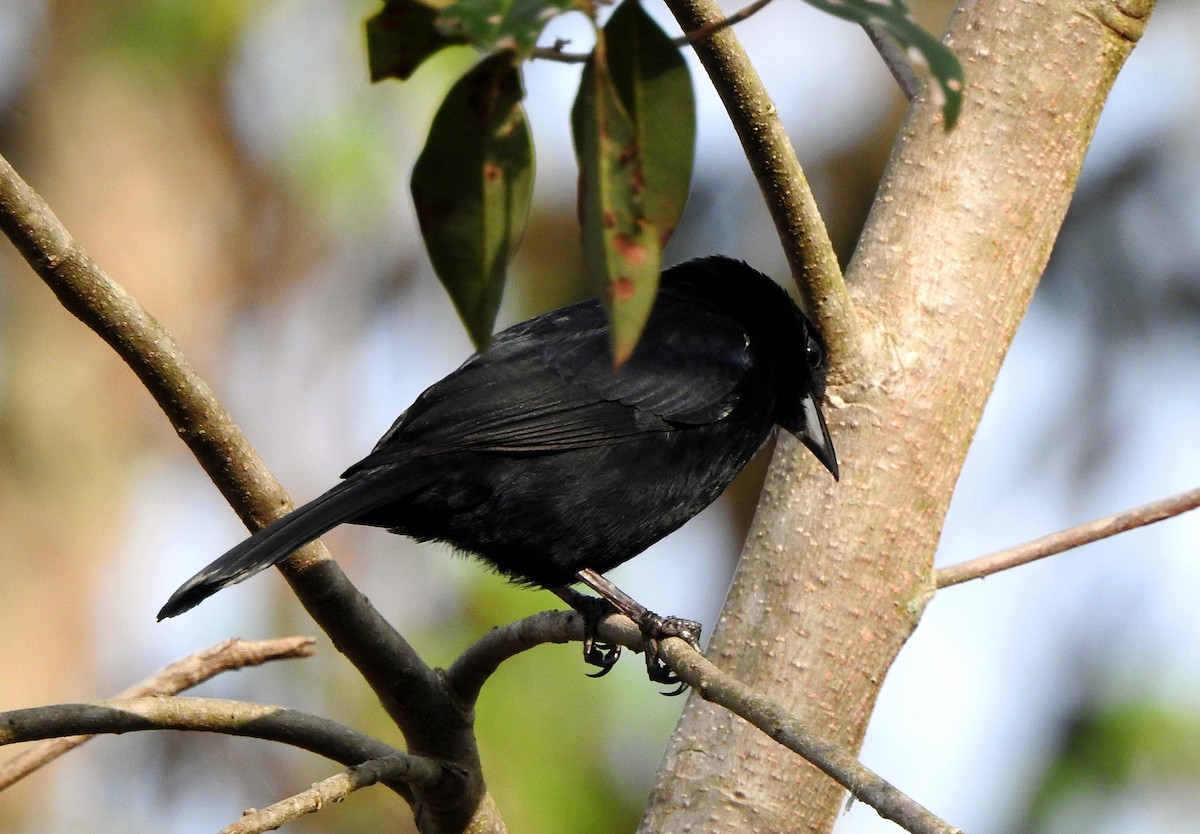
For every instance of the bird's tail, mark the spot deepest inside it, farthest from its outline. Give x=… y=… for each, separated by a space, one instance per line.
x=272 y=544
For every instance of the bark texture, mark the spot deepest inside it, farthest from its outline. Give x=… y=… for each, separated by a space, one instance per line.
x=834 y=577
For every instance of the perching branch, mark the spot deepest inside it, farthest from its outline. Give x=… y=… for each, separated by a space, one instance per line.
x=468 y=673
x=1072 y=537
x=172 y=679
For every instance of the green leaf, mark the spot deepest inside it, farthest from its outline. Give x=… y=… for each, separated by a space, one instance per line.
x=500 y=24
x=620 y=245
x=893 y=19
x=651 y=78
x=471 y=187
x=401 y=36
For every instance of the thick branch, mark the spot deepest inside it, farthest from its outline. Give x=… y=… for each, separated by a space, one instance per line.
x=172 y=679
x=834 y=577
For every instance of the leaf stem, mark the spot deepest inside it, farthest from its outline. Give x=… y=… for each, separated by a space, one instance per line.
x=556 y=53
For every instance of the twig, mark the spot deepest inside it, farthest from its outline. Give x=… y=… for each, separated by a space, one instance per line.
x=170 y=680
x=332 y=789
x=895 y=60
x=788 y=197
x=1072 y=537
x=555 y=53
x=715 y=26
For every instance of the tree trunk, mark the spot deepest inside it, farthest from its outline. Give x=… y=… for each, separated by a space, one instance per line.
x=834 y=577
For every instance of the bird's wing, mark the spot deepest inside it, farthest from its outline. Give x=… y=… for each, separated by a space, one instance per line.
x=685 y=369
x=548 y=385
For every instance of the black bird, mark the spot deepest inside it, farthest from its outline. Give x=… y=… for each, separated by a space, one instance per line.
x=540 y=459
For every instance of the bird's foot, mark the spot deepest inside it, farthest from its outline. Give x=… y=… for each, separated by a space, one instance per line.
x=593 y=610
x=656 y=628
x=596 y=652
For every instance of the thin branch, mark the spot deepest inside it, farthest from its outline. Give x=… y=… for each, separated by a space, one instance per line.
x=470 y=671
x=99 y=302
x=332 y=789
x=1072 y=537
x=556 y=53
x=788 y=197
x=551 y=53
x=895 y=60
x=237 y=718
x=172 y=679
x=202 y=423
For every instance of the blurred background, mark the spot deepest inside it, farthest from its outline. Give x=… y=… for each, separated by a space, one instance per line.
x=229 y=163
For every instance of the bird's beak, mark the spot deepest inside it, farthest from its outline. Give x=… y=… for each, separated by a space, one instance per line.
x=815 y=435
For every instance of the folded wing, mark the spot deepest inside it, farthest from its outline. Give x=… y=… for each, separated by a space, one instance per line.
x=548 y=385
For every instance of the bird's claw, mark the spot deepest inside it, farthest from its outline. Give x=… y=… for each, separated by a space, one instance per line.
x=602 y=655
x=655 y=629
x=596 y=653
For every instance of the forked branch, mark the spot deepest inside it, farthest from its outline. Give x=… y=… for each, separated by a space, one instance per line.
x=172 y=679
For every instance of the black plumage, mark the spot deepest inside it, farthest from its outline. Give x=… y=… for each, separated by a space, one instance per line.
x=540 y=459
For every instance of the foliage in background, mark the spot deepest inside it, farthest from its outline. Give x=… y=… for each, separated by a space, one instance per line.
x=1106 y=756
x=634 y=129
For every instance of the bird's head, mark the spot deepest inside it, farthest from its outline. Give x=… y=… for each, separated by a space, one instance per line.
x=789 y=349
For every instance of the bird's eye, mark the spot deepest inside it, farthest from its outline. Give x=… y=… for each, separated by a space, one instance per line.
x=815 y=353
